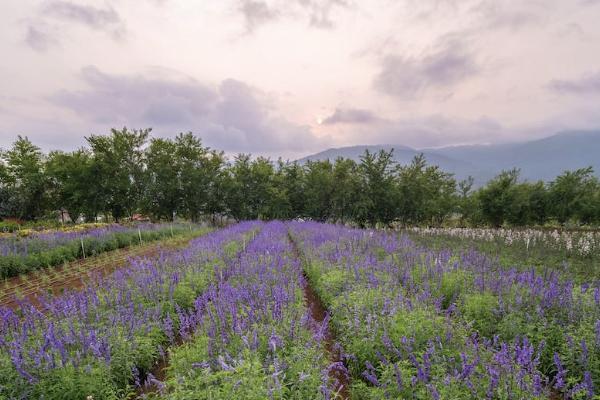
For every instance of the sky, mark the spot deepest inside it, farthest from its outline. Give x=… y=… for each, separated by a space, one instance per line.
x=293 y=77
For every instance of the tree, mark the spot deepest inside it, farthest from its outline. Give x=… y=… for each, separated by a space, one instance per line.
x=427 y=194
x=200 y=172
x=529 y=204
x=293 y=179
x=119 y=169
x=572 y=195
x=466 y=203
x=71 y=181
x=348 y=201
x=215 y=177
x=498 y=197
x=24 y=180
x=162 y=184
x=318 y=190
x=378 y=183
x=238 y=184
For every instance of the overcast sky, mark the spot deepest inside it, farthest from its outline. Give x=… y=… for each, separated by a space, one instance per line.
x=292 y=77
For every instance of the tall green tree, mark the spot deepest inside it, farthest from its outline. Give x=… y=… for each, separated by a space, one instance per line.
x=293 y=177
x=348 y=200
x=318 y=190
x=200 y=177
x=572 y=195
x=378 y=183
x=427 y=194
x=71 y=182
x=119 y=169
x=497 y=198
x=162 y=192
x=24 y=180
x=238 y=185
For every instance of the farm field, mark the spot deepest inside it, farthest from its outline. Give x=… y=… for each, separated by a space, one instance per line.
x=575 y=253
x=36 y=285
x=305 y=310
x=37 y=250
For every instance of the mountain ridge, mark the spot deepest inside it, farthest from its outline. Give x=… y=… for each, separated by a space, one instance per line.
x=538 y=159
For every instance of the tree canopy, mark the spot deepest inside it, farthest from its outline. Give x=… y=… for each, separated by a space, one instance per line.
x=127 y=172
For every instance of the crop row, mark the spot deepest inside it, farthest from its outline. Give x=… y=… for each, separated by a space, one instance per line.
x=95 y=342
x=228 y=313
x=250 y=335
x=23 y=254
x=230 y=316
x=580 y=243
x=421 y=324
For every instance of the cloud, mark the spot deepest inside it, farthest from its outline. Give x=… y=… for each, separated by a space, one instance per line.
x=136 y=98
x=432 y=130
x=318 y=13
x=350 y=116
x=438 y=130
x=408 y=77
x=256 y=13
x=39 y=39
x=232 y=116
x=101 y=19
x=585 y=85
x=496 y=15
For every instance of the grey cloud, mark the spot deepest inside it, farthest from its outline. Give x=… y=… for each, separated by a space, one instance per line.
x=256 y=13
x=320 y=11
x=502 y=15
x=233 y=116
x=587 y=84
x=405 y=77
x=114 y=98
x=38 y=39
x=350 y=116
x=104 y=19
x=430 y=131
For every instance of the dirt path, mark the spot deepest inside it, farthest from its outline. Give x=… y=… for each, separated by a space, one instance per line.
x=76 y=274
x=319 y=314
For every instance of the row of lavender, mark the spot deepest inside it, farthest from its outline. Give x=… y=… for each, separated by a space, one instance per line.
x=41 y=249
x=101 y=341
x=38 y=242
x=419 y=324
x=250 y=332
x=228 y=313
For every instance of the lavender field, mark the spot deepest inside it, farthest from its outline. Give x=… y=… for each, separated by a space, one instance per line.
x=235 y=315
x=20 y=254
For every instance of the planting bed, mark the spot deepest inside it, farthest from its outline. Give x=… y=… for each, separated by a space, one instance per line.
x=416 y=323
x=309 y=311
x=20 y=254
x=37 y=285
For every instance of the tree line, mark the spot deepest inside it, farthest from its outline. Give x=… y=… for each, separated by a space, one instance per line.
x=128 y=172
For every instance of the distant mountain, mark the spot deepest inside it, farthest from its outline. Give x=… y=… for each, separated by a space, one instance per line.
x=538 y=159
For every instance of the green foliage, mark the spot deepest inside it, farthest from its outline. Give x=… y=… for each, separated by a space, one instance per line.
x=481 y=310
x=23 y=180
x=453 y=284
x=120 y=175
x=427 y=195
x=118 y=170
x=13 y=265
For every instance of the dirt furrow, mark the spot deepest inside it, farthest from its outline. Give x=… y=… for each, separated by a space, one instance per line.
x=320 y=316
